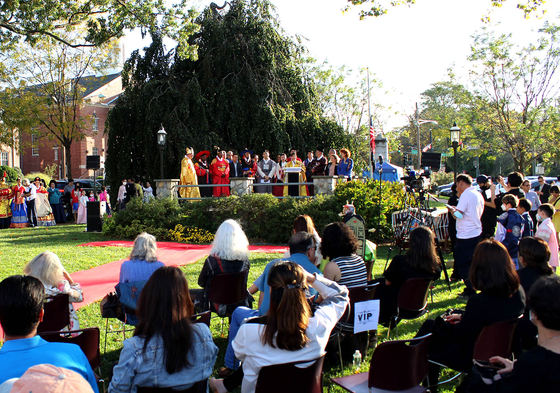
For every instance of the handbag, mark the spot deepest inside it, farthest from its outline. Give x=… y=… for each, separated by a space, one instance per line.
x=111 y=307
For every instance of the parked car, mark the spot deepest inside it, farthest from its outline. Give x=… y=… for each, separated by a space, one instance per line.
x=85 y=184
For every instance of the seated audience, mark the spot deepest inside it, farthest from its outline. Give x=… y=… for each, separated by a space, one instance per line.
x=534 y=255
x=289 y=331
x=167 y=349
x=229 y=254
x=339 y=247
x=304 y=223
x=537 y=370
x=47 y=267
x=420 y=261
x=302 y=250
x=500 y=298
x=143 y=260
x=21 y=311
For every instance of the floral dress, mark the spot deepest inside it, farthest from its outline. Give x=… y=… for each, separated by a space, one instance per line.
x=75 y=295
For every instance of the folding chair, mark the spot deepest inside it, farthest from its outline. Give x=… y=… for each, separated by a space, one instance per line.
x=346 y=322
x=493 y=340
x=396 y=366
x=198 y=387
x=228 y=289
x=412 y=301
x=87 y=339
x=296 y=377
x=203 y=317
x=57 y=314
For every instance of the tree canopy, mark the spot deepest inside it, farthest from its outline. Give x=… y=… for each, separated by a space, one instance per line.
x=245 y=90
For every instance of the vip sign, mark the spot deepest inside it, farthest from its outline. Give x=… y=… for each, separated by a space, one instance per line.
x=366 y=315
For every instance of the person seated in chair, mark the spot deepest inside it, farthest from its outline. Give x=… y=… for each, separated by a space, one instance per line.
x=47 y=267
x=289 y=332
x=229 y=254
x=21 y=311
x=167 y=349
x=420 y=261
x=501 y=298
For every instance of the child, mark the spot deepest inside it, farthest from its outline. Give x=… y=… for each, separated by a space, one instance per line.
x=92 y=197
x=76 y=201
x=523 y=209
x=82 y=209
x=510 y=227
x=547 y=232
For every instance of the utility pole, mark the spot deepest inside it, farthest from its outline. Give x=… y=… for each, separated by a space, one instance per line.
x=418 y=139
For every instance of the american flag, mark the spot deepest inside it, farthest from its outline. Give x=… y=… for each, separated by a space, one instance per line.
x=372 y=135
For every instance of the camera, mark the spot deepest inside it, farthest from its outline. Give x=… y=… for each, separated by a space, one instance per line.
x=419 y=182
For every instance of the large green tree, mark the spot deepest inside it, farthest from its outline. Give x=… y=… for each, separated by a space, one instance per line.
x=246 y=89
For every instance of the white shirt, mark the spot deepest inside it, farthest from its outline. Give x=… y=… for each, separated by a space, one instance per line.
x=471 y=204
x=249 y=348
x=33 y=191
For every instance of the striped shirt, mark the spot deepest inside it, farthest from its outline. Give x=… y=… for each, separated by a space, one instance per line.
x=353 y=271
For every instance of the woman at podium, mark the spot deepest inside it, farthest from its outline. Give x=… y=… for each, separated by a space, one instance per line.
x=294 y=176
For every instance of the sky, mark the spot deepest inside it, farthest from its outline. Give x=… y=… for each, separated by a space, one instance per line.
x=408 y=49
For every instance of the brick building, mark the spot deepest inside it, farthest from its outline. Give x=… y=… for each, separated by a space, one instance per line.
x=37 y=152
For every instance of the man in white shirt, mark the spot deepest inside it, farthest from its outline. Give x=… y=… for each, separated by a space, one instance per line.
x=31 y=193
x=469 y=227
x=266 y=169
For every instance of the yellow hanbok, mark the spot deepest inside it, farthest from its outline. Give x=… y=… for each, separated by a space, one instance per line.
x=188 y=176
x=294 y=164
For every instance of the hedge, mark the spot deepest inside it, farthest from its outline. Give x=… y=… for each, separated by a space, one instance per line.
x=263 y=217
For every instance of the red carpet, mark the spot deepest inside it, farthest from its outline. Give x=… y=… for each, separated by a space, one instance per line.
x=101 y=280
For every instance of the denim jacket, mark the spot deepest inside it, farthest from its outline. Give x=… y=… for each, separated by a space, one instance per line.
x=138 y=369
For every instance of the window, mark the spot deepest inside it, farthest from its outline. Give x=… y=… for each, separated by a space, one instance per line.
x=4 y=158
x=55 y=153
x=34 y=147
x=95 y=151
x=95 y=125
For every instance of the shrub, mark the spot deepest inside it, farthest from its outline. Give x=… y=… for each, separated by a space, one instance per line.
x=183 y=234
x=13 y=173
x=31 y=176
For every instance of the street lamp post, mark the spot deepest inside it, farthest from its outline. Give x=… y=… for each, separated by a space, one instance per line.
x=455 y=135
x=161 y=136
x=418 y=146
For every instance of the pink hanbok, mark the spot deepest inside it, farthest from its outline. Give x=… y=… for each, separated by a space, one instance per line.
x=82 y=210
x=547 y=232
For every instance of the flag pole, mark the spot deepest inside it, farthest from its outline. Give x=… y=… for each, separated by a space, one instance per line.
x=371 y=166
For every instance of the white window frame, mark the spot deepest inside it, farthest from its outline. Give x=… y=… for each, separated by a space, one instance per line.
x=94 y=151
x=95 y=124
x=4 y=158
x=34 y=146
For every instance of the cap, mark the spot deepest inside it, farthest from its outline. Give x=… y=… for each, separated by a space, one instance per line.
x=482 y=179
x=46 y=378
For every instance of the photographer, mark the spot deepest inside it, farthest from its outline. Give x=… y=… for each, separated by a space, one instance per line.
x=469 y=227
x=515 y=179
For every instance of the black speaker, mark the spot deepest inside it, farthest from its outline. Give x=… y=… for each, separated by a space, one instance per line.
x=94 y=221
x=432 y=160
x=93 y=162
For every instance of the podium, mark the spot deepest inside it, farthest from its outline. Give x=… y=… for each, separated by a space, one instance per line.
x=292 y=177
x=95 y=211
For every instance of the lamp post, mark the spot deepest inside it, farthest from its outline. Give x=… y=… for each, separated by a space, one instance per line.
x=455 y=135
x=161 y=136
x=418 y=146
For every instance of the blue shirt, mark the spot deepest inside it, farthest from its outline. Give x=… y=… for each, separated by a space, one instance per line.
x=139 y=368
x=262 y=281
x=16 y=356
x=513 y=223
x=528 y=227
x=345 y=167
x=54 y=196
x=136 y=270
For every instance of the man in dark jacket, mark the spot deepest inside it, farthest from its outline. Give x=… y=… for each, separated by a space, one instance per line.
x=543 y=190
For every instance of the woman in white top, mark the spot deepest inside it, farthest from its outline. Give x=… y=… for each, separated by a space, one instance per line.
x=148 y=192
x=289 y=332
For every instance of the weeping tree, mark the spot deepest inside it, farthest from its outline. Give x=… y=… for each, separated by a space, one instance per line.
x=246 y=89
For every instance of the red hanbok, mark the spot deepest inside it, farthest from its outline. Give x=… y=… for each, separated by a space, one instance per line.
x=220 y=175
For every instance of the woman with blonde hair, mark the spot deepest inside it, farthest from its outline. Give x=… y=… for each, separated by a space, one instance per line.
x=229 y=254
x=289 y=331
x=49 y=270
x=143 y=260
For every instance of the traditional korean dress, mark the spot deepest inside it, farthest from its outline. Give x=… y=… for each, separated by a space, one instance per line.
x=45 y=217
x=82 y=210
x=203 y=174
x=188 y=176
x=19 y=208
x=220 y=175
x=302 y=189
x=5 y=211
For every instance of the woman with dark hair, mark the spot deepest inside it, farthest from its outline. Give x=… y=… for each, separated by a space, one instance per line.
x=167 y=349
x=55 y=199
x=420 y=261
x=534 y=255
x=339 y=247
x=289 y=332
x=537 y=370
x=332 y=167
x=500 y=298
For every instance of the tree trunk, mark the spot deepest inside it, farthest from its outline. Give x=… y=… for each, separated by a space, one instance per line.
x=67 y=145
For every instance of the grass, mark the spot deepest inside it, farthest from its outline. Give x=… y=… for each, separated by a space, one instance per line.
x=19 y=246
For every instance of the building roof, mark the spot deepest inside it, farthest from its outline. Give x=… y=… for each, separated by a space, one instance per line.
x=93 y=83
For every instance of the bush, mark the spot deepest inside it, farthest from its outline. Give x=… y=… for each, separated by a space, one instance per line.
x=439 y=179
x=190 y=235
x=13 y=173
x=31 y=176
x=262 y=216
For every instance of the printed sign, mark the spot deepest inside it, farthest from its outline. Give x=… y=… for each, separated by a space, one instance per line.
x=366 y=315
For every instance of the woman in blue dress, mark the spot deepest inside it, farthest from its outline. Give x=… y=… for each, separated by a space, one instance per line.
x=346 y=164
x=19 y=208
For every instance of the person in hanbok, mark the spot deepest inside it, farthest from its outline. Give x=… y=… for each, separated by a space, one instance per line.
x=188 y=177
x=5 y=195
x=202 y=168
x=219 y=168
x=19 y=208
x=55 y=199
x=104 y=197
x=82 y=208
x=279 y=190
x=45 y=217
x=295 y=163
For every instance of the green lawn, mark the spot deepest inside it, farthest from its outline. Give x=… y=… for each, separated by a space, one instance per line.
x=19 y=246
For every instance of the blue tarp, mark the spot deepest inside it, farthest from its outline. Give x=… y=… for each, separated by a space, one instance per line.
x=390 y=172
